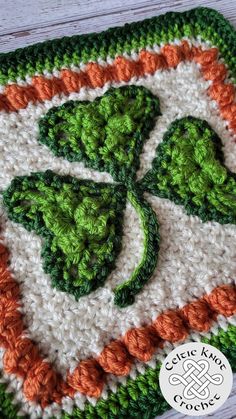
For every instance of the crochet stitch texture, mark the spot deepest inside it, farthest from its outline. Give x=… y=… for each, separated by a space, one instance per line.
x=118 y=179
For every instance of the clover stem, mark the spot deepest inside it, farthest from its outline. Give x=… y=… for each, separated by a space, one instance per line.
x=125 y=292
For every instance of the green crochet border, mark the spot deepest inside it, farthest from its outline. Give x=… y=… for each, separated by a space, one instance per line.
x=208 y=24
x=142 y=396
x=8 y=410
x=139 y=398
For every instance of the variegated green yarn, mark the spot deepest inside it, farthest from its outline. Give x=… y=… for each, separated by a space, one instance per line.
x=81 y=226
x=189 y=169
x=201 y=22
x=139 y=398
x=80 y=222
x=106 y=134
x=142 y=398
x=8 y=409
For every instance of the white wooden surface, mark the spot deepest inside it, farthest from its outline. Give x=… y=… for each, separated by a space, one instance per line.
x=24 y=22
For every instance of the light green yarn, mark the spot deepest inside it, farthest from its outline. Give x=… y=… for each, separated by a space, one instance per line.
x=106 y=134
x=189 y=170
x=80 y=221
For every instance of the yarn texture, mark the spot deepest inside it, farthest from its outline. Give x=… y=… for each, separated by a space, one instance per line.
x=118 y=213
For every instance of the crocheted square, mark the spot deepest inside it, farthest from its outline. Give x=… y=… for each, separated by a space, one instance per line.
x=118 y=213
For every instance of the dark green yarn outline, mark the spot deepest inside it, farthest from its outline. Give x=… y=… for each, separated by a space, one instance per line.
x=205 y=212
x=227 y=46
x=207 y=23
x=53 y=262
x=125 y=292
x=118 y=172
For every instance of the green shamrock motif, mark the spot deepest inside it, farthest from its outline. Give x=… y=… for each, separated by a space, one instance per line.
x=106 y=134
x=189 y=170
x=80 y=224
x=81 y=221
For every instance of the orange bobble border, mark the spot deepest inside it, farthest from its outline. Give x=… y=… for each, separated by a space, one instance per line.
x=43 y=385
x=16 y=97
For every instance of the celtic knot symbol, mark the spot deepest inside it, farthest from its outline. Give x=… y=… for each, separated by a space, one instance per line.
x=196 y=379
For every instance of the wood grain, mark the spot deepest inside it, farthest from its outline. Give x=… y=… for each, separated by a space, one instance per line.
x=227 y=411
x=25 y=22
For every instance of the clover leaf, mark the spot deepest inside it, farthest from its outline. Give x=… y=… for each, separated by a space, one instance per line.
x=106 y=134
x=80 y=222
x=189 y=170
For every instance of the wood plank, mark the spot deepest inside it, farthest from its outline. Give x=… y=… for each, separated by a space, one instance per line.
x=28 y=15
x=227 y=411
x=25 y=22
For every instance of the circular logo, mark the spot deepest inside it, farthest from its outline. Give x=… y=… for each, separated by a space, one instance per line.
x=196 y=379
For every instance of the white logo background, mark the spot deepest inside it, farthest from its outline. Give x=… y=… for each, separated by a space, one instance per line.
x=196 y=379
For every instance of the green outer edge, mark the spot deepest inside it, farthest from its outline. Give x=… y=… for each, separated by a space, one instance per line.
x=142 y=398
x=139 y=398
x=208 y=24
x=7 y=409
x=126 y=291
